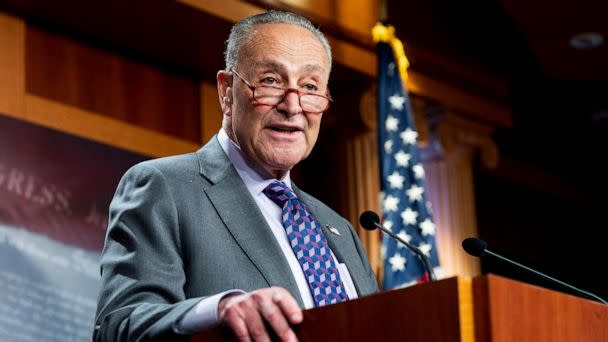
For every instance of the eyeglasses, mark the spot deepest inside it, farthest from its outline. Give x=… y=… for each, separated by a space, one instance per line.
x=272 y=96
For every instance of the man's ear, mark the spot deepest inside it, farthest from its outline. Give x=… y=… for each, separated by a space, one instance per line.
x=224 y=91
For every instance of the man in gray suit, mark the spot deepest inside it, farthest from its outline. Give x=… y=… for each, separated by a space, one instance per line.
x=201 y=239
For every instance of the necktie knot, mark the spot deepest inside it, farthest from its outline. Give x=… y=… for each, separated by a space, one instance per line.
x=279 y=193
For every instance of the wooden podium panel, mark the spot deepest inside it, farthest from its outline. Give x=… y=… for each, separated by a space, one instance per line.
x=507 y=310
x=428 y=312
x=489 y=308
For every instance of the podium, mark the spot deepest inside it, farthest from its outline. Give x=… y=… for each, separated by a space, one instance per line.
x=487 y=308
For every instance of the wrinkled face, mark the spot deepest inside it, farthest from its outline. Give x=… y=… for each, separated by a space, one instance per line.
x=277 y=137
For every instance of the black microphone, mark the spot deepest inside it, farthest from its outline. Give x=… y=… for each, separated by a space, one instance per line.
x=370 y=221
x=478 y=248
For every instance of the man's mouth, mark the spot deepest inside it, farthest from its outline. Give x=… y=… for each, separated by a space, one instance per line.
x=285 y=129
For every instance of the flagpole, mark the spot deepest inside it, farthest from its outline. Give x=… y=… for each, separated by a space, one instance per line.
x=382 y=18
x=382 y=11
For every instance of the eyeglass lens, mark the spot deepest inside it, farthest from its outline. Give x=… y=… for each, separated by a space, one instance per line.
x=273 y=96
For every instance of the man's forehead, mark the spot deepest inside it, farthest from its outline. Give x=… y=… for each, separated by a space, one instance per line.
x=268 y=38
x=268 y=33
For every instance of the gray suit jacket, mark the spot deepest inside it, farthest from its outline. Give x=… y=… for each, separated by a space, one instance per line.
x=185 y=227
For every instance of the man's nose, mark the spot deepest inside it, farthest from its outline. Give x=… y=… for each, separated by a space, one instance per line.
x=291 y=103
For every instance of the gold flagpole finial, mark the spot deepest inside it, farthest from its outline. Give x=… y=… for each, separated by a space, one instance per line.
x=386 y=34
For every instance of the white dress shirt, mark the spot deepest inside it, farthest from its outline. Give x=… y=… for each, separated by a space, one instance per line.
x=204 y=314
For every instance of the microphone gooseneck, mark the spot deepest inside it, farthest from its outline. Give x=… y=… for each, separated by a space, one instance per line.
x=370 y=221
x=477 y=247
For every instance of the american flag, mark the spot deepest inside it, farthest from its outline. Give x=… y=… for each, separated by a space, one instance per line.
x=406 y=212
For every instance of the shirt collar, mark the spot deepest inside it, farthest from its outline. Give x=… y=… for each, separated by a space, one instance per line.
x=254 y=180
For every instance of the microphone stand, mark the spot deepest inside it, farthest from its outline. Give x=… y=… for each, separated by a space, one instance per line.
x=546 y=277
x=422 y=256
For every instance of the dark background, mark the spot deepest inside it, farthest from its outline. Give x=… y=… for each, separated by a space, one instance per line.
x=550 y=214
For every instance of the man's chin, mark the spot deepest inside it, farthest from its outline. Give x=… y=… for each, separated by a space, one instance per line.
x=282 y=165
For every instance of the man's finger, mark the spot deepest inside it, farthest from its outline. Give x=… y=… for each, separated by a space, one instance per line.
x=288 y=305
x=250 y=315
x=233 y=320
x=275 y=318
x=253 y=320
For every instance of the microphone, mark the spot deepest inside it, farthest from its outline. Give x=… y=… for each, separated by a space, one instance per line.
x=370 y=221
x=478 y=248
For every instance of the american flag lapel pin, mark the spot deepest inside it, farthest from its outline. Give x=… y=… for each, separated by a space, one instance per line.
x=334 y=230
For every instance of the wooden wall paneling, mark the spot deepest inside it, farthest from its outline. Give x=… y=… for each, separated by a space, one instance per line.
x=354 y=57
x=231 y=10
x=459 y=100
x=100 y=81
x=449 y=162
x=17 y=103
x=450 y=184
x=102 y=128
x=358 y=155
x=354 y=15
x=12 y=64
x=364 y=190
x=211 y=112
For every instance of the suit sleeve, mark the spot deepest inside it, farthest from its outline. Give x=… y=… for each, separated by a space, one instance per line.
x=142 y=275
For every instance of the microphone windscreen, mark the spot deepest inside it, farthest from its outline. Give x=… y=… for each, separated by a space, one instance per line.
x=369 y=220
x=474 y=246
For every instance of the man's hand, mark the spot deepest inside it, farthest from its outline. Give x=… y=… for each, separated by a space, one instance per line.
x=245 y=314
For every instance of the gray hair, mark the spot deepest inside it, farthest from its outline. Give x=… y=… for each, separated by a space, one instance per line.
x=242 y=29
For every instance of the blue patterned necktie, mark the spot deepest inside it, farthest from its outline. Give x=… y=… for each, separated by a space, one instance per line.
x=309 y=246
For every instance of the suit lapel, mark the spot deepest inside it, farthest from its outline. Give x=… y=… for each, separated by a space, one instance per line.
x=243 y=219
x=342 y=245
